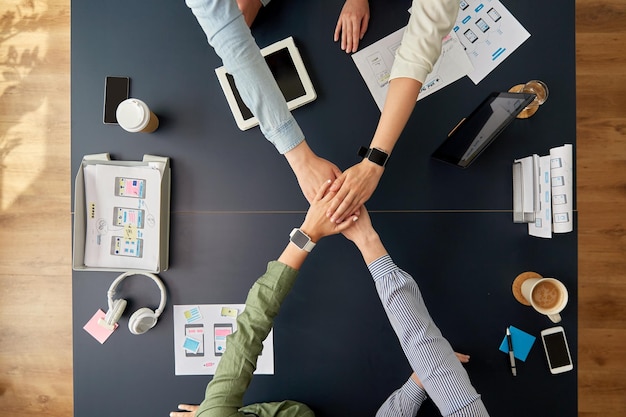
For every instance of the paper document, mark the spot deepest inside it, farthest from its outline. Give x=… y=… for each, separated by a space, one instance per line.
x=561 y=183
x=375 y=61
x=489 y=33
x=484 y=35
x=123 y=207
x=542 y=226
x=525 y=189
x=543 y=192
x=201 y=338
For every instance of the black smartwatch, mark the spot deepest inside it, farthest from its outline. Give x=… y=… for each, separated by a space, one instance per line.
x=301 y=240
x=375 y=155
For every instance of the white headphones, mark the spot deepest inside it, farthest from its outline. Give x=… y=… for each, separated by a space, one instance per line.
x=141 y=320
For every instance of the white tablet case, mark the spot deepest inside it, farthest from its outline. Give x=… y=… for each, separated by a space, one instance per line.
x=309 y=95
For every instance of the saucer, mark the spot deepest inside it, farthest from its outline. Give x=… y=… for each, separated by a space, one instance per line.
x=528 y=111
x=517 y=285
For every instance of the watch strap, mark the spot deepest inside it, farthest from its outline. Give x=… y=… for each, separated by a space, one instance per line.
x=375 y=155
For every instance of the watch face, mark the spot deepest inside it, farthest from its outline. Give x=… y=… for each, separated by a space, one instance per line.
x=378 y=157
x=300 y=239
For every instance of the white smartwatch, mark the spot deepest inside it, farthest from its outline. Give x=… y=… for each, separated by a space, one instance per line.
x=301 y=240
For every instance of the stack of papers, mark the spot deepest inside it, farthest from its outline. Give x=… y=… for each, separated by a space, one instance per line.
x=543 y=192
x=121 y=218
x=483 y=36
x=123 y=209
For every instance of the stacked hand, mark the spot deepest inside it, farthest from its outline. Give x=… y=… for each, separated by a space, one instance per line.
x=310 y=169
x=353 y=188
x=316 y=224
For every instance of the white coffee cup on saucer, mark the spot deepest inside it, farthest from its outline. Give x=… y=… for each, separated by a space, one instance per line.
x=546 y=295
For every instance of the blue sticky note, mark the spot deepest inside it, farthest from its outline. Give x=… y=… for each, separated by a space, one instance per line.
x=522 y=343
x=191 y=344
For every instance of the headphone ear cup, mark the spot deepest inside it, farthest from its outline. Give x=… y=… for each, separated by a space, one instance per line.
x=113 y=315
x=142 y=320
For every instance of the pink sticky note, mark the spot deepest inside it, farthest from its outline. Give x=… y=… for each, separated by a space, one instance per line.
x=222 y=332
x=101 y=334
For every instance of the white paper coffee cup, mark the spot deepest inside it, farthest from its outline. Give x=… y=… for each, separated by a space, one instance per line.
x=133 y=115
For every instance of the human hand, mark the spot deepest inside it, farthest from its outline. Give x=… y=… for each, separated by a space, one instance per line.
x=188 y=411
x=354 y=187
x=315 y=224
x=310 y=169
x=352 y=24
x=463 y=358
x=362 y=230
x=249 y=9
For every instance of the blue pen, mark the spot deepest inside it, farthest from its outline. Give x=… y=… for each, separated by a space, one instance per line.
x=511 y=354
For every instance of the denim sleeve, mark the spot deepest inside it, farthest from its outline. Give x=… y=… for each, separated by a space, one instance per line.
x=430 y=355
x=229 y=35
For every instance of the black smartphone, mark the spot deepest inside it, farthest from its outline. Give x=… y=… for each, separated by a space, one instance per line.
x=115 y=91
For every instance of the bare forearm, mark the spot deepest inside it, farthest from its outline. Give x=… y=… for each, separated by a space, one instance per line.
x=371 y=247
x=293 y=256
x=399 y=105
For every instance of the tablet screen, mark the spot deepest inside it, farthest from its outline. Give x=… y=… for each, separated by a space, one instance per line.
x=481 y=127
x=287 y=68
x=286 y=75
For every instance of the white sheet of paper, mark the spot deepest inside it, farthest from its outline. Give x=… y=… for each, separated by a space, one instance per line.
x=489 y=33
x=529 y=173
x=375 y=61
x=562 y=179
x=136 y=247
x=542 y=226
x=453 y=64
x=188 y=322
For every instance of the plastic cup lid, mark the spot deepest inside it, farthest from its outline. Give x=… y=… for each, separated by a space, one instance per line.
x=133 y=114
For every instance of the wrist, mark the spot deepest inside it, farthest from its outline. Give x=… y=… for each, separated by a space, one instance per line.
x=371 y=247
x=367 y=240
x=299 y=155
x=310 y=232
x=372 y=168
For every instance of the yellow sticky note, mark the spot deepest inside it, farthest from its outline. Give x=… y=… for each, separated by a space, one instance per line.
x=229 y=312
x=130 y=232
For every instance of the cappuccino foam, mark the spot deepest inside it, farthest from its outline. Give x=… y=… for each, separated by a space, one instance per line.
x=546 y=295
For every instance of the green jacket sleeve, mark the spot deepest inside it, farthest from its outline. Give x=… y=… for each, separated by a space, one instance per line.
x=224 y=394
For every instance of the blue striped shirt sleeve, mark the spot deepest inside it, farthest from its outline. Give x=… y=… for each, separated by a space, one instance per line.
x=403 y=402
x=428 y=352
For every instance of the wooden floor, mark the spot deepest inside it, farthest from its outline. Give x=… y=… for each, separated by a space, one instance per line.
x=35 y=240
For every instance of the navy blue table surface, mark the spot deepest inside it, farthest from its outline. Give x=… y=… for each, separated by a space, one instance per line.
x=234 y=200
